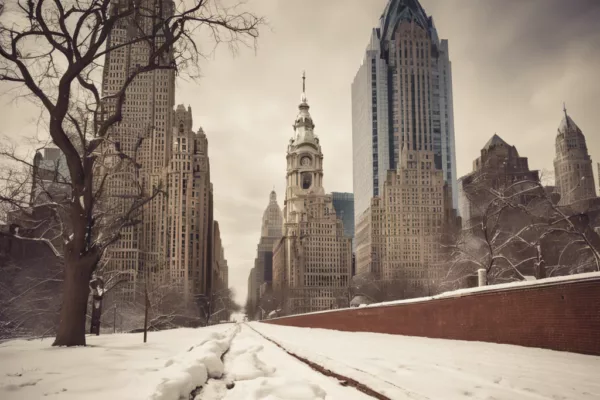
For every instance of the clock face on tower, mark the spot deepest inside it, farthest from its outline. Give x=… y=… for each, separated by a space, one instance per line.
x=305 y=161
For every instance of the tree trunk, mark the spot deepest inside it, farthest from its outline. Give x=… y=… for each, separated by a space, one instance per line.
x=76 y=290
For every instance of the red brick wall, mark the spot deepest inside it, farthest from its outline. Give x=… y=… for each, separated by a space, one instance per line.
x=563 y=316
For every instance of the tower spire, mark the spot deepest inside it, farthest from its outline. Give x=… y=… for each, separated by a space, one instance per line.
x=566 y=115
x=303 y=98
x=303 y=81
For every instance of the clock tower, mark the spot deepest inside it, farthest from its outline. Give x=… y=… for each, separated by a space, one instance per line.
x=312 y=262
x=304 y=156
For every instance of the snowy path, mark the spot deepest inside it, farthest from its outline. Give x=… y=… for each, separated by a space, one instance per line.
x=403 y=367
x=261 y=370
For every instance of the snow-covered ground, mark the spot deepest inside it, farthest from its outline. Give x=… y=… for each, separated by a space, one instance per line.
x=114 y=367
x=261 y=370
x=173 y=364
x=404 y=367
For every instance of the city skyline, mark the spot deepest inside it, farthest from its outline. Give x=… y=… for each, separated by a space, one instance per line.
x=261 y=109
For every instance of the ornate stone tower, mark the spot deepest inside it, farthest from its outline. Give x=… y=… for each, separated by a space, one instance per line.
x=312 y=263
x=572 y=165
x=304 y=160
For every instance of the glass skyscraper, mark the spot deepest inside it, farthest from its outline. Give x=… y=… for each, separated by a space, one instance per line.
x=343 y=203
x=390 y=96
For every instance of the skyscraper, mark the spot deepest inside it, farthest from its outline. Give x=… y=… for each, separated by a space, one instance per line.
x=188 y=216
x=145 y=132
x=573 y=165
x=401 y=96
x=405 y=102
x=272 y=224
x=174 y=239
x=312 y=262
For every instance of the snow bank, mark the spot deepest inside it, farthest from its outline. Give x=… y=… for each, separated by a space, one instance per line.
x=115 y=366
x=192 y=368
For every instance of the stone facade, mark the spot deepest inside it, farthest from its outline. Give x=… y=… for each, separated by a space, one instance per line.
x=312 y=263
x=188 y=217
x=573 y=166
x=398 y=237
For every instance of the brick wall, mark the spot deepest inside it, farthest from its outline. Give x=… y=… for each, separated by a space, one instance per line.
x=563 y=316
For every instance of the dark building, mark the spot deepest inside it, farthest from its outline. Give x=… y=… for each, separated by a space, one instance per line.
x=344 y=209
x=498 y=167
x=31 y=272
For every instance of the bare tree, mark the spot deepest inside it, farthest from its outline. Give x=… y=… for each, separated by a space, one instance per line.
x=218 y=305
x=159 y=303
x=520 y=231
x=52 y=51
x=366 y=285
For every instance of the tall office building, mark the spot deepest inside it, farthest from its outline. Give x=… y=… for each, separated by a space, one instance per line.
x=188 y=214
x=313 y=260
x=572 y=164
x=252 y=296
x=400 y=223
x=401 y=95
x=174 y=240
x=220 y=269
x=271 y=231
x=145 y=132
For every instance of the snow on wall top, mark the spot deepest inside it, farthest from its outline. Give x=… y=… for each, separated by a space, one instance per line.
x=588 y=276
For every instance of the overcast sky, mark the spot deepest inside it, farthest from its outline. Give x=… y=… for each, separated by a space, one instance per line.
x=514 y=63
